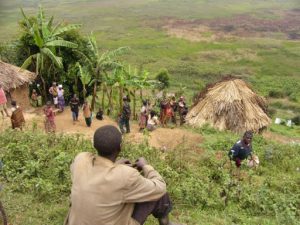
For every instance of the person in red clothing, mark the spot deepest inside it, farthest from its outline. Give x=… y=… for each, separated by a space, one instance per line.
x=49 y=121
x=3 y=100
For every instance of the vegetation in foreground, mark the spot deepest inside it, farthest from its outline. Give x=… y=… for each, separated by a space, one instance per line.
x=36 y=179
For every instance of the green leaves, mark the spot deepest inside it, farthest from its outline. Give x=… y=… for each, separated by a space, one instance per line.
x=59 y=30
x=57 y=60
x=61 y=43
x=48 y=40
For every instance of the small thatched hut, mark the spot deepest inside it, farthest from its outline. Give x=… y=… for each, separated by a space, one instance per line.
x=229 y=105
x=15 y=81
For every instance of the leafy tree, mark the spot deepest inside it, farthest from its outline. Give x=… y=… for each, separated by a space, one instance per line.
x=163 y=77
x=44 y=41
x=100 y=64
x=85 y=78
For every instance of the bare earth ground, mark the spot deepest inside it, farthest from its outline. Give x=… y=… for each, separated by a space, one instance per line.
x=286 y=24
x=162 y=138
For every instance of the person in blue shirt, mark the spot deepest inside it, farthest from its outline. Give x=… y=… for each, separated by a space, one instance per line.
x=242 y=149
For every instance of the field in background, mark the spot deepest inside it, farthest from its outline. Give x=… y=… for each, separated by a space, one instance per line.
x=197 y=41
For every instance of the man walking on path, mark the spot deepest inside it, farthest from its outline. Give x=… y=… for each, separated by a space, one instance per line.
x=3 y=101
x=74 y=104
x=106 y=192
x=125 y=116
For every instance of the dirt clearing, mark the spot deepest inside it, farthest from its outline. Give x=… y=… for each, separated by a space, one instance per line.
x=162 y=138
x=283 y=25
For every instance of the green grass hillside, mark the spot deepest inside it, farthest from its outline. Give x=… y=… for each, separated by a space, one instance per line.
x=36 y=179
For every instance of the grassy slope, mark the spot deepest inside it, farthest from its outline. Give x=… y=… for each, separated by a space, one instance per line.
x=39 y=179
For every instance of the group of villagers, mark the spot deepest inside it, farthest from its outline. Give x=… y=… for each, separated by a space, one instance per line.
x=169 y=108
x=148 y=117
x=57 y=94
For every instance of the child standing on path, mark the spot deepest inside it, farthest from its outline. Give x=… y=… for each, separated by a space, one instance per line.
x=87 y=113
x=49 y=121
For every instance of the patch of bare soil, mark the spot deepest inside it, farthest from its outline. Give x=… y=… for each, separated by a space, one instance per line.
x=168 y=139
x=287 y=24
x=280 y=138
x=162 y=138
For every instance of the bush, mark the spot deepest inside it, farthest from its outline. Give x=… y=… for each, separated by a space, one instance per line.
x=276 y=94
x=296 y=120
x=37 y=164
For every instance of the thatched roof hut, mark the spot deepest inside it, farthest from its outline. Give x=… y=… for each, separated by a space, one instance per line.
x=229 y=105
x=15 y=81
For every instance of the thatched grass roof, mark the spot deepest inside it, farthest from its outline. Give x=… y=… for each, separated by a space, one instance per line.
x=12 y=76
x=229 y=105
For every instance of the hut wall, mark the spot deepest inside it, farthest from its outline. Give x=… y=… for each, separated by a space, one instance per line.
x=21 y=95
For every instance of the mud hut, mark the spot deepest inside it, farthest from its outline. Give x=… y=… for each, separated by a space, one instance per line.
x=15 y=81
x=230 y=104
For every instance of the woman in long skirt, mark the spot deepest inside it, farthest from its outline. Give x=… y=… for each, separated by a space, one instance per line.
x=143 y=116
x=61 y=99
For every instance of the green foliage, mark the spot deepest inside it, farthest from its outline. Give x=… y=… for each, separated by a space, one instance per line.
x=163 y=77
x=36 y=167
x=41 y=164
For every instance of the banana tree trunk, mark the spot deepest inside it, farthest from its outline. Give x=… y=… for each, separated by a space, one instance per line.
x=44 y=91
x=94 y=96
x=134 y=105
x=141 y=94
x=110 y=105
x=104 y=89
x=121 y=98
x=84 y=92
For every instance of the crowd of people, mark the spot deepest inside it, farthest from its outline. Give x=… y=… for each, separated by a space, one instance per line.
x=168 y=107
x=57 y=95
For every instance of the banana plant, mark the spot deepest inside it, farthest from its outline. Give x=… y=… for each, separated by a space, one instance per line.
x=101 y=63
x=47 y=39
x=85 y=78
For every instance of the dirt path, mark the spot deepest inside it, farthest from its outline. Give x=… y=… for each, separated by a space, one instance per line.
x=162 y=138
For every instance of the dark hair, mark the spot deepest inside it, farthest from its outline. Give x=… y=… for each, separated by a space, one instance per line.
x=13 y=103
x=144 y=102
x=152 y=113
x=107 y=140
x=248 y=134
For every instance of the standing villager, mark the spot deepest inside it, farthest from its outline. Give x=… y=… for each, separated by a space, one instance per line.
x=242 y=149
x=99 y=115
x=53 y=93
x=74 y=104
x=17 y=117
x=182 y=110
x=34 y=98
x=61 y=98
x=125 y=116
x=87 y=113
x=49 y=118
x=173 y=104
x=109 y=192
x=3 y=101
x=143 y=115
x=167 y=113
